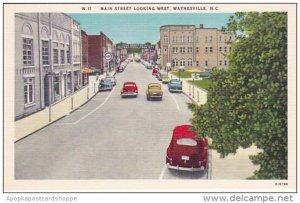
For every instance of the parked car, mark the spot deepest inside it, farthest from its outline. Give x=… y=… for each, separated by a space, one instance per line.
x=160 y=75
x=129 y=89
x=186 y=152
x=105 y=84
x=154 y=91
x=165 y=79
x=112 y=78
x=149 y=66
x=120 y=69
x=175 y=85
x=155 y=71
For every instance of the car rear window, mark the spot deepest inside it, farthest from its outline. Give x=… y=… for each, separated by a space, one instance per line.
x=129 y=85
x=186 y=142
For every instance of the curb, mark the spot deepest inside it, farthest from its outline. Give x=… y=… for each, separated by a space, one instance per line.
x=190 y=98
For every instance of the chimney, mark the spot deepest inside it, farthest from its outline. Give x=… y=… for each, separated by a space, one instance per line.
x=201 y=26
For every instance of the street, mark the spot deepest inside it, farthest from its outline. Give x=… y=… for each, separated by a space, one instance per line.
x=109 y=137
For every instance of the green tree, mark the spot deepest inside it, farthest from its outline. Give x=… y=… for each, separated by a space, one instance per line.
x=247 y=104
x=148 y=43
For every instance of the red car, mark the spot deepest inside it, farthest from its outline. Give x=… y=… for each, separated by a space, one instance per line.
x=129 y=89
x=186 y=152
x=155 y=71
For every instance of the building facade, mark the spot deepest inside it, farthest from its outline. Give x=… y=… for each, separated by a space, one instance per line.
x=85 y=49
x=98 y=45
x=191 y=47
x=45 y=64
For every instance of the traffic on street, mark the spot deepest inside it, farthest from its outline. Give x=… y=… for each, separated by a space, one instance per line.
x=123 y=132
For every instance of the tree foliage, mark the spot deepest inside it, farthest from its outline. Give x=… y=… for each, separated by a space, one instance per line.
x=247 y=104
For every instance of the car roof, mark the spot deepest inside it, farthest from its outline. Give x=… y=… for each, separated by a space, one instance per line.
x=105 y=79
x=154 y=84
x=183 y=131
x=125 y=83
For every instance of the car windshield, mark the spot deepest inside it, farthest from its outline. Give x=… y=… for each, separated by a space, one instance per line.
x=175 y=82
x=186 y=142
x=105 y=81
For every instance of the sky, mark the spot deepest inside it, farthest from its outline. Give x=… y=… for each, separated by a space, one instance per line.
x=142 y=28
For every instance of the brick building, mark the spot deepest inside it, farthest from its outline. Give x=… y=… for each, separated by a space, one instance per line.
x=97 y=46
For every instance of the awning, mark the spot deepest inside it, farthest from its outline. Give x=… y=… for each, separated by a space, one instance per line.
x=87 y=71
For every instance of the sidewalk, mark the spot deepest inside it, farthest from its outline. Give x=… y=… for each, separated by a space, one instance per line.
x=235 y=166
x=67 y=105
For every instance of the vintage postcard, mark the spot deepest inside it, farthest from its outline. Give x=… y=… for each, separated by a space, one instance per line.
x=173 y=97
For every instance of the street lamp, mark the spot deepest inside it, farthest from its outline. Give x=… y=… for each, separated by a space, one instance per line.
x=180 y=69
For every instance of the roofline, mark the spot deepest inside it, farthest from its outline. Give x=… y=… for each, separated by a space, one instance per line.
x=175 y=25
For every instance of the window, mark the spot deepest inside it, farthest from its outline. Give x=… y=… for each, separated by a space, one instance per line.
x=220 y=39
x=69 y=82
x=190 y=62
x=225 y=62
x=197 y=39
x=175 y=49
x=197 y=49
x=211 y=38
x=206 y=49
x=186 y=142
x=166 y=50
x=175 y=63
x=220 y=62
x=45 y=52
x=166 y=38
x=190 y=49
x=225 y=49
x=206 y=63
x=210 y=49
x=229 y=49
x=197 y=63
x=29 y=91
x=56 y=87
x=182 y=62
x=62 y=56
x=68 y=55
x=206 y=39
x=27 y=52
x=190 y=39
x=183 y=38
x=220 y=49
x=182 y=50
x=174 y=38
x=55 y=56
x=230 y=38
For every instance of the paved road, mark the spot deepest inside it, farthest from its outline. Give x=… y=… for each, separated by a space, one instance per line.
x=109 y=137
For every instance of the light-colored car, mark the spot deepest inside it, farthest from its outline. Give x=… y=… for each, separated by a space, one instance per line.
x=175 y=85
x=165 y=79
x=112 y=78
x=105 y=84
x=154 y=91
